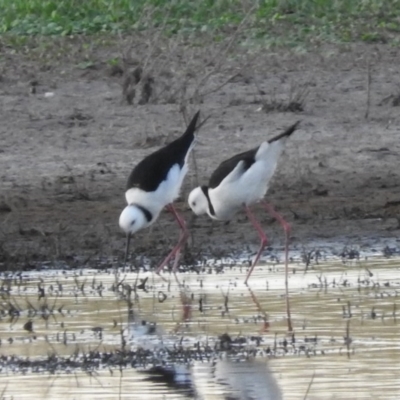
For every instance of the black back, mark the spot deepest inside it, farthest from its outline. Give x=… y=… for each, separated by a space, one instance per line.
x=154 y=168
x=227 y=166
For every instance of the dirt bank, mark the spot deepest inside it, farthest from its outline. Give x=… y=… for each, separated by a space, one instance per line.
x=69 y=140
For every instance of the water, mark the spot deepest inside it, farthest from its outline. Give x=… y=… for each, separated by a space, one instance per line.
x=345 y=316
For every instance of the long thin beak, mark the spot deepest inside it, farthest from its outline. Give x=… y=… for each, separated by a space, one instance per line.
x=128 y=240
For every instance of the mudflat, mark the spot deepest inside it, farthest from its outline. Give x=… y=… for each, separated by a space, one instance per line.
x=69 y=138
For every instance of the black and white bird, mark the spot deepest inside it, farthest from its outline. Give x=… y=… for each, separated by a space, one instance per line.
x=241 y=181
x=154 y=184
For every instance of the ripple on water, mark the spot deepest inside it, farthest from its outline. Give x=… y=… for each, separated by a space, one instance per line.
x=345 y=343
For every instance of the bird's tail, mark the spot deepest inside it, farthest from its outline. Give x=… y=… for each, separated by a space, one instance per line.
x=271 y=150
x=287 y=132
x=192 y=125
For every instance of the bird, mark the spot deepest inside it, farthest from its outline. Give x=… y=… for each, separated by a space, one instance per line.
x=153 y=185
x=241 y=181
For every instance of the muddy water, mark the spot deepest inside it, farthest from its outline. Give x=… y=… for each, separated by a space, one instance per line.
x=345 y=316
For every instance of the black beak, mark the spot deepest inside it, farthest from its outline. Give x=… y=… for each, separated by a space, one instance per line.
x=128 y=240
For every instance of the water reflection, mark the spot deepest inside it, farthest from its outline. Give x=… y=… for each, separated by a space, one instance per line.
x=236 y=379
x=228 y=375
x=225 y=378
x=102 y=337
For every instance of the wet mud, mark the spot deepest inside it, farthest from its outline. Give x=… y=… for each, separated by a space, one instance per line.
x=68 y=146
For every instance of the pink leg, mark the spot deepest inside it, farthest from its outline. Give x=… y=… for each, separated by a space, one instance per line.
x=286 y=227
x=181 y=242
x=265 y=327
x=263 y=238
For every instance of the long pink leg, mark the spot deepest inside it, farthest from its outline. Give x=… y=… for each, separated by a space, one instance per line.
x=263 y=238
x=286 y=227
x=181 y=242
x=260 y=310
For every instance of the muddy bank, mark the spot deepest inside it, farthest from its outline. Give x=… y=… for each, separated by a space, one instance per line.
x=65 y=156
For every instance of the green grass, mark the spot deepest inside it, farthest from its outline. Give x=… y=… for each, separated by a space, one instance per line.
x=294 y=20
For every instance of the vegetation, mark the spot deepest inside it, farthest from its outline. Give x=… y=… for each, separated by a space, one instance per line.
x=297 y=20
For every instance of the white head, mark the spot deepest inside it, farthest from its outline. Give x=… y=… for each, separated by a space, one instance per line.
x=132 y=219
x=198 y=201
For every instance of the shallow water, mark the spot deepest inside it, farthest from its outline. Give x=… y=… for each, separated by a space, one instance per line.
x=345 y=317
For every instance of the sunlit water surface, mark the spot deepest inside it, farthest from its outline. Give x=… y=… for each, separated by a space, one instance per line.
x=345 y=317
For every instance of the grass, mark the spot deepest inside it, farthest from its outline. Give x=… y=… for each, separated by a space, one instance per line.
x=290 y=20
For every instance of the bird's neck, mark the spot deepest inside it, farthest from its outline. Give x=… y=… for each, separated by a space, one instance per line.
x=211 y=210
x=144 y=201
x=147 y=214
x=222 y=205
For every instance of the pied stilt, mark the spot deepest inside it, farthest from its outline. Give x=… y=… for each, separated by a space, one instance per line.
x=241 y=181
x=154 y=184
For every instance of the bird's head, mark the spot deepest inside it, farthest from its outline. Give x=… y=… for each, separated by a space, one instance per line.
x=198 y=201
x=132 y=219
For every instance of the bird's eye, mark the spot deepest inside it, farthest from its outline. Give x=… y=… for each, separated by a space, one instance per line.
x=133 y=222
x=194 y=204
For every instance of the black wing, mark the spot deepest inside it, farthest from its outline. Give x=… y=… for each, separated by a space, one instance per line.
x=153 y=169
x=227 y=166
